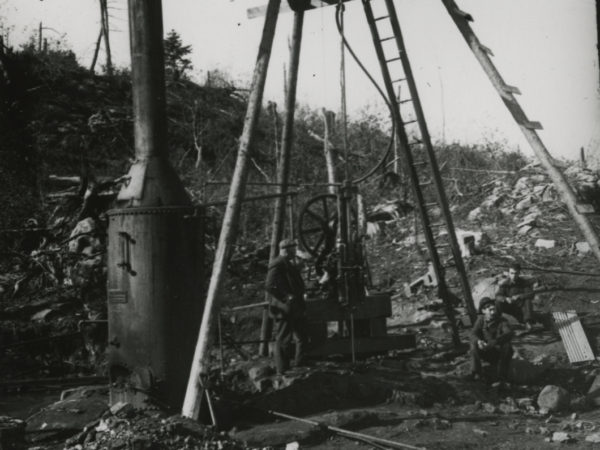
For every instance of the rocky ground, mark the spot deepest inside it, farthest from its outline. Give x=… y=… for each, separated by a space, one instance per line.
x=54 y=332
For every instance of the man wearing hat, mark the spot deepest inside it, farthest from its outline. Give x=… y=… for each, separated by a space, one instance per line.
x=491 y=341
x=286 y=306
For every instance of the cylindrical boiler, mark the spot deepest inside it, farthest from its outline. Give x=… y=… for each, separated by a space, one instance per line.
x=154 y=302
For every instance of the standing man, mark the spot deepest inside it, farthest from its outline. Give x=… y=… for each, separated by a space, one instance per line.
x=286 y=306
x=514 y=296
x=491 y=341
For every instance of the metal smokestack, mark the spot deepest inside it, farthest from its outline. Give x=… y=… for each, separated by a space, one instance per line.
x=155 y=244
x=152 y=180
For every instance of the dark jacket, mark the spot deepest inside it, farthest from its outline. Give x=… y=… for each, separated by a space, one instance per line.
x=520 y=286
x=495 y=332
x=286 y=289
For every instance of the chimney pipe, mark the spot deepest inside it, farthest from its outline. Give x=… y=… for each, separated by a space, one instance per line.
x=148 y=78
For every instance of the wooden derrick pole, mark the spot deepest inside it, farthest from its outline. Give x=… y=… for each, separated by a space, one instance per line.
x=329 y=123
x=527 y=127
x=283 y=168
x=191 y=403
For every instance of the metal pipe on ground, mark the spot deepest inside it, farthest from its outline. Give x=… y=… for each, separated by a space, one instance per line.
x=191 y=404
x=346 y=433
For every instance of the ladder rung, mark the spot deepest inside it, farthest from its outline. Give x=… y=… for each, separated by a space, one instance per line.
x=392 y=60
x=427 y=183
x=486 y=49
x=380 y=18
x=429 y=205
x=409 y=122
x=438 y=224
x=442 y=245
x=399 y=80
x=463 y=14
x=420 y=163
x=415 y=142
x=532 y=125
x=387 y=38
x=404 y=101
x=512 y=89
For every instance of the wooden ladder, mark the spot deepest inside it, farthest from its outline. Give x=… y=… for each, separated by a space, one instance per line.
x=419 y=156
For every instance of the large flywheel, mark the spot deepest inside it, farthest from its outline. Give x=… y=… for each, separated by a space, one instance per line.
x=318 y=224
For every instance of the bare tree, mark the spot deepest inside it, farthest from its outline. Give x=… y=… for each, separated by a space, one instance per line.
x=104 y=33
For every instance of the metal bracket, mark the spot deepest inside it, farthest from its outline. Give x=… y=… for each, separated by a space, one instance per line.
x=125 y=241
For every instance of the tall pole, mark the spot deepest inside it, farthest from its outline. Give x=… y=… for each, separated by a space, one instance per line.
x=191 y=403
x=328 y=124
x=527 y=127
x=341 y=9
x=283 y=168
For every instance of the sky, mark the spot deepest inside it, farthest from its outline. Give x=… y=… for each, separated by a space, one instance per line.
x=547 y=48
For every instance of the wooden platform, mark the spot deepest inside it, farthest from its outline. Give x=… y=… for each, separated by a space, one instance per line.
x=374 y=306
x=370 y=330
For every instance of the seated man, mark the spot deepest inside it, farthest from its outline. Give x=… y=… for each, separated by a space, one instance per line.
x=514 y=296
x=491 y=341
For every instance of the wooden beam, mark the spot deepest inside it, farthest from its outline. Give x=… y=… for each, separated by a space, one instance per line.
x=195 y=390
x=259 y=11
x=283 y=167
x=558 y=179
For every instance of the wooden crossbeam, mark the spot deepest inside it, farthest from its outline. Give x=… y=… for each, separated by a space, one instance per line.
x=259 y=11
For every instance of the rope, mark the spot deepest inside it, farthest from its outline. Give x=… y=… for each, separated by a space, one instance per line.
x=339 y=23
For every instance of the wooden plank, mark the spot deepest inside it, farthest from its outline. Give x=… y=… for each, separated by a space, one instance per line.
x=573 y=337
x=259 y=11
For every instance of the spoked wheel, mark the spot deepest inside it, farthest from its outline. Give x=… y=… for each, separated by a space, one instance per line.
x=318 y=223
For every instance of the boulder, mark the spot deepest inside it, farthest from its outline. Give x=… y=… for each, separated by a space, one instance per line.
x=524 y=203
x=561 y=436
x=525 y=229
x=545 y=243
x=594 y=437
x=583 y=248
x=554 y=398
x=475 y=214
